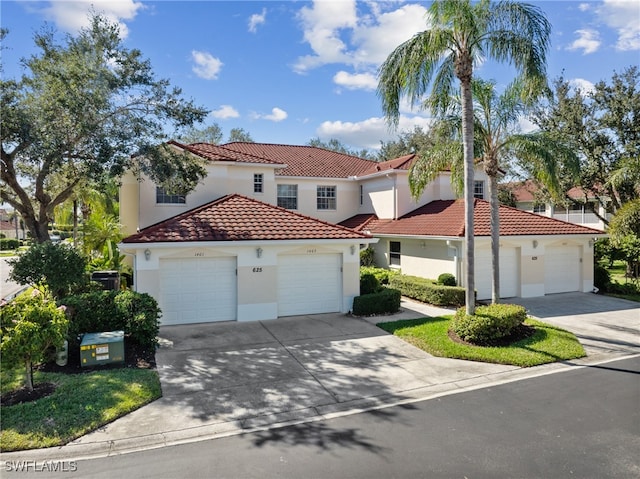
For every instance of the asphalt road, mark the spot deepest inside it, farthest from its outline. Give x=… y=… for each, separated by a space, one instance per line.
x=584 y=423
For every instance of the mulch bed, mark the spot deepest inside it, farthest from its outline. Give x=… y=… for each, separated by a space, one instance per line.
x=135 y=356
x=521 y=332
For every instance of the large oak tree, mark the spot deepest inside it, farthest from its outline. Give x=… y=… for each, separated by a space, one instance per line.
x=88 y=108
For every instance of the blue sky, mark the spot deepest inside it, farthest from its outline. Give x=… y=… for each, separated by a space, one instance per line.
x=290 y=71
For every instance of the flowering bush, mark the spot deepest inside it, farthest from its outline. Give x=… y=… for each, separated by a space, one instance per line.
x=30 y=325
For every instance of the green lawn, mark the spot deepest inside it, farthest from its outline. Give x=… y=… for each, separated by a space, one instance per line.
x=80 y=404
x=548 y=344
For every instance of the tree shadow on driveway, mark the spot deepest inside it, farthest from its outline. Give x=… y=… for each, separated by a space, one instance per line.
x=281 y=370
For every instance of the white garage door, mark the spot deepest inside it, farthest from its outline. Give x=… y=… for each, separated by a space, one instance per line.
x=198 y=290
x=309 y=284
x=561 y=269
x=509 y=273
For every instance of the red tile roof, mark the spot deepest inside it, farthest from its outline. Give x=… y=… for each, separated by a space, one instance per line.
x=305 y=160
x=446 y=218
x=238 y=218
x=401 y=163
x=212 y=152
x=526 y=191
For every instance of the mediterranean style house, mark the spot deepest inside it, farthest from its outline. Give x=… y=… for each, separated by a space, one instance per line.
x=275 y=230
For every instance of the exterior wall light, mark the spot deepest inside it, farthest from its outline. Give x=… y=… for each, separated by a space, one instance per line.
x=535 y=243
x=259 y=252
x=353 y=249
x=147 y=254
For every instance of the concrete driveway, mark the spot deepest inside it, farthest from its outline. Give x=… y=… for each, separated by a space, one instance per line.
x=606 y=327
x=227 y=378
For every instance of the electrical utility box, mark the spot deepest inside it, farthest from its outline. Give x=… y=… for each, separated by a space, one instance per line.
x=102 y=348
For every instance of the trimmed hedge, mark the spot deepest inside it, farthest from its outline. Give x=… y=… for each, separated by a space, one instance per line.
x=427 y=291
x=368 y=283
x=383 y=275
x=383 y=302
x=137 y=314
x=9 y=243
x=489 y=323
x=447 y=279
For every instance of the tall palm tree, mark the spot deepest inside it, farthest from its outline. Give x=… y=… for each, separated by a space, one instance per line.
x=459 y=35
x=496 y=140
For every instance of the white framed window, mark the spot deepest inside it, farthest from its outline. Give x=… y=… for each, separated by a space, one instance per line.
x=478 y=189
x=288 y=196
x=258 y=183
x=394 y=253
x=326 y=197
x=540 y=208
x=165 y=198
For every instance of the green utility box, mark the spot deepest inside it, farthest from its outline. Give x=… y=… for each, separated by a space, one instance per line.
x=102 y=348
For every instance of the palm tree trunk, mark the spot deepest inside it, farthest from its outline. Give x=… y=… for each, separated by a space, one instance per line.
x=467 y=143
x=495 y=239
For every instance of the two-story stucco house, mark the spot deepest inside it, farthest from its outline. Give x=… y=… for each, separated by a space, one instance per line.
x=275 y=230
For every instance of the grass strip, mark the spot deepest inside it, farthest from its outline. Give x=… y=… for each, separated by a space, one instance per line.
x=548 y=344
x=80 y=404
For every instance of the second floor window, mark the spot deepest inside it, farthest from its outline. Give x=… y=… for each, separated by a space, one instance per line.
x=258 y=181
x=539 y=208
x=164 y=198
x=326 y=197
x=288 y=196
x=478 y=189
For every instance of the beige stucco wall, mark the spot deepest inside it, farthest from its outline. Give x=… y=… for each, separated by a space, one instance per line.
x=257 y=279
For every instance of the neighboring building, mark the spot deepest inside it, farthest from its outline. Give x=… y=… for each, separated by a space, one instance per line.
x=274 y=230
x=526 y=196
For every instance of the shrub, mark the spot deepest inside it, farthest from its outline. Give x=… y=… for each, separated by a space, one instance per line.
x=489 y=323
x=385 y=301
x=447 y=279
x=427 y=291
x=137 y=314
x=58 y=266
x=623 y=288
x=601 y=278
x=382 y=275
x=368 y=283
x=30 y=325
x=367 y=256
x=9 y=243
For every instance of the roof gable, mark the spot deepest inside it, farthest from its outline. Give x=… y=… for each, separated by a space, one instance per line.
x=446 y=218
x=239 y=218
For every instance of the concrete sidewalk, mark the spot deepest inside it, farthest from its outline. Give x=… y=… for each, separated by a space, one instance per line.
x=227 y=378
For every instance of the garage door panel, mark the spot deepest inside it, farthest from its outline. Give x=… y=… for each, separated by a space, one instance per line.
x=198 y=290
x=561 y=269
x=509 y=273
x=309 y=284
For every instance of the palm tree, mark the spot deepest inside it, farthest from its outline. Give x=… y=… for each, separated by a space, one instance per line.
x=460 y=34
x=496 y=139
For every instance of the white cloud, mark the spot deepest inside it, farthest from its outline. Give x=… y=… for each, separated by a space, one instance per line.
x=257 y=19
x=368 y=133
x=73 y=15
x=623 y=16
x=583 y=7
x=526 y=126
x=336 y=34
x=585 y=86
x=224 y=112
x=277 y=114
x=206 y=65
x=588 y=41
x=356 y=81
x=322 y=23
